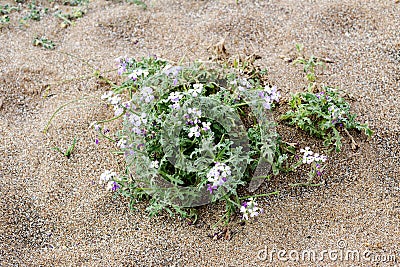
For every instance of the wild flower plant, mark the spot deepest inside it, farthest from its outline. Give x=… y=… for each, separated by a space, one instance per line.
x=324 y=115
x=194 y=134
x=183 y=139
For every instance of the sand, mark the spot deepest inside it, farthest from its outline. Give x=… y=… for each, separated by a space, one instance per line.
x=53 y=212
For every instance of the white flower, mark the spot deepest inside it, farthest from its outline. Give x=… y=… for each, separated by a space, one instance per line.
x=309 y=156
x=197 y=89
x=143 y=117
x=136 y=73
x=96 y=126
x=114 y=100
x=306 y=151
x=122 y=143
x=206 y=126
x=154 y=164
x=250 y=208
x=107 y=95
x=175 y=97
x=194 y=131
x=110 y=185
x=107 y=176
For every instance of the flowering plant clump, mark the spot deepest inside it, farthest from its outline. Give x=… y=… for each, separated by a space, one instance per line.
x=324 y=114
x=190 y=135
x=195 y=134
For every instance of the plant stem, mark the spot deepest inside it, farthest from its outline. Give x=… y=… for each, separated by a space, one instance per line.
x=354 y=145
x=261 y=195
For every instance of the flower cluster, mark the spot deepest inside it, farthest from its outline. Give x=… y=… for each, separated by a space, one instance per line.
x=173 y=71
x=122 y=64
x=138 y=73
x=250 y=208
x=108 y=178
x=147 y=94
x=336 y=114
x=217 y=176
x=175 y=97
x=242 y=84
x=310 y=157
x=197 y=89
x=193 y=118
x=115 y=101
x=137 y=122
x=269 y=95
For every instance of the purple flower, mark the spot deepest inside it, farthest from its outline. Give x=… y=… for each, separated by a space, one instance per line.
x=175 y=97
x=318 y=95
x=140 y=145
x=121 y=68
x=211 y=187
x=115 y=187
x=173 y=70
x=269 y=95
x=97 y=141
x=267 y=105
x=319 y=173
x=147 y=94
x=175 y=106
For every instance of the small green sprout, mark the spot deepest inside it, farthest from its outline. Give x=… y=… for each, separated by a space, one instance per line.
x=44 y=42
x=69 y=150
x=138 y=3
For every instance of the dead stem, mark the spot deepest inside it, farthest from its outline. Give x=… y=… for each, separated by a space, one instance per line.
x=354 y=145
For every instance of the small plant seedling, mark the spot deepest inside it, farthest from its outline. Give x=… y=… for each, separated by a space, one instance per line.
x=68 y=18
x=309 y=66
x=35 y=12
x=138 y=3
x=4 y=20
x=44 y=42
x=75 y=2
x=69 y=150
x=7 y=9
